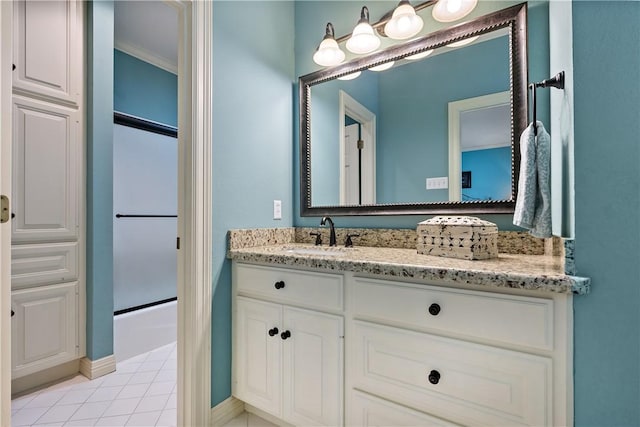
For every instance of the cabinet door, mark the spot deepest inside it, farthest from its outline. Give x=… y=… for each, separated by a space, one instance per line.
x=48 y=49
x=257 y=357
x=44 y=327
x=46 y=155
x=313 y=368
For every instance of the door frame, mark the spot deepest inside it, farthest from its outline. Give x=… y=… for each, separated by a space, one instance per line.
x=194 y=210
x=195 y=68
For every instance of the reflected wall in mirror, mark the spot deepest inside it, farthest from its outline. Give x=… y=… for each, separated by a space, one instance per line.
x=374 y=144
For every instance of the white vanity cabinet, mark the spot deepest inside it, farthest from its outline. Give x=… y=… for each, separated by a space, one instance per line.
x=288 y=343
x=48 y=190
x=465 y=356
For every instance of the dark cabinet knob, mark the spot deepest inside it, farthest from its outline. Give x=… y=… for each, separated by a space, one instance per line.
x=12 y=313
x=285 y=335
x=434 y=377
x=279 y=285
x=273 y=331
x=434 y=309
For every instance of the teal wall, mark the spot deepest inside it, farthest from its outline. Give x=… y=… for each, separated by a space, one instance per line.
x=253 y=75
x=144 y=90
x=99 y=180
x=310 y=15
x=606 y=56
x=488 y=168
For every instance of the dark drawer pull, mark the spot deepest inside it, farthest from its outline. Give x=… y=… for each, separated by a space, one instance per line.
x=434 y=377
x=273 y=331
x=285 y=335
x=280 y=284
x=12 y=313
x=434 y=309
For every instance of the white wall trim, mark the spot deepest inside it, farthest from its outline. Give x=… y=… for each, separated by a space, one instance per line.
x=93 y=369
x=226 y=410
x=194 y=211
x=146 y=56
x=6 y=59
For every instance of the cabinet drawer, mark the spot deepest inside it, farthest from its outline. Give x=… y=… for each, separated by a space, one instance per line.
x=44 y=328
x=468 y=383
x=513 y=320
x=369 y=411
x=318 y=290
x=43 y=263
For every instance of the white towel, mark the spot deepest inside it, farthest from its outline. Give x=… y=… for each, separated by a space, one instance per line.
x=533 y=204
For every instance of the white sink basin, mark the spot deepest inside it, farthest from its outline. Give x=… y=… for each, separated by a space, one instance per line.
x=319 y=251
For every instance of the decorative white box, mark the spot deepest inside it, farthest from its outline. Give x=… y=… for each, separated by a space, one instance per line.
x=462 y=237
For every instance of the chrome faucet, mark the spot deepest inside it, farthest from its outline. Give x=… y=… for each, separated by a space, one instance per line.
x=332 y=232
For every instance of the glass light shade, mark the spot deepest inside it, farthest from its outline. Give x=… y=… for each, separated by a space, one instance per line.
x=463 y=42
x=350 y=76
x=382 y=67
x=404 y=22
x=363 y=40
x=452 y=10
x=328 y=53
x=420 y=55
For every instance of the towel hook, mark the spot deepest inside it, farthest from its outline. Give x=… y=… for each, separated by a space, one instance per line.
x=556 y=81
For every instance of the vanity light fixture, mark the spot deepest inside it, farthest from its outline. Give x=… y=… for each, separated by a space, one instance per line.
x=463 y=42
x=363 y=39
x=383 y=67
x=419 y=55
x=452 y=10
x=404 y=22
x=328 y=52
x=350 y=76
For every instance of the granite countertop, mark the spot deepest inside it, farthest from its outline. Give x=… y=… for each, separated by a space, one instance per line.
x=529 y=272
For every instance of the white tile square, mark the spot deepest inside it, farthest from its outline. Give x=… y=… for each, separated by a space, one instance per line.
x=120 y=420
x=136 y=359
x=170 y=364
x=48 y=425
x=166 y=375
x=122 y=407
x=158 y=388
x=152 y=403
x=133 y=390
x=116 y=379
x=151 y=365
x=45 y=400
x=143 y=377
x=89 y=384
x=58 y=414
x=81 y=423
x=27 y=416
x=239 y=421
x=75 y=396
x=144 y=419
x=128 y=368
x=20 y=402
x=168 y=418
x=160 y=354
x=90 y=410
x=172 y=403
x=105 y=393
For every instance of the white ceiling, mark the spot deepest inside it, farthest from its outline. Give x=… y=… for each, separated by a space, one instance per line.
x=148 y=30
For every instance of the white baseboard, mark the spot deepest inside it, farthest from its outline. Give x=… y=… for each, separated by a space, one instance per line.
x=45 y=378
x=96 y=368
x=225 y=411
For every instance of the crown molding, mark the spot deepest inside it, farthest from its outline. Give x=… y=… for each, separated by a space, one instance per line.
x=146 y=56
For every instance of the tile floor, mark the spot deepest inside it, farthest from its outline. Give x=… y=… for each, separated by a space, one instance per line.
x=142 y=392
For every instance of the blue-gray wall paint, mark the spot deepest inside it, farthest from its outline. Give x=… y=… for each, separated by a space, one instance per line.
x=253 y=75
x=144 y=90
x=606 y=54
x=99 y=180
x=488 y=168
x=311 y=15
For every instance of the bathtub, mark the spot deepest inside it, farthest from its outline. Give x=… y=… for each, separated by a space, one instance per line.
x=143 y=330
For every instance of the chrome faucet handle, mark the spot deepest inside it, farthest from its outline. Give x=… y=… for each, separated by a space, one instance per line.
x=318 y=237
x=348 y=242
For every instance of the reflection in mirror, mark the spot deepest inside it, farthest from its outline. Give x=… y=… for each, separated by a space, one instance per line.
x=382 y=142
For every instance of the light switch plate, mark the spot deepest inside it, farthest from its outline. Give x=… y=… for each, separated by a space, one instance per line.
x=277 y=209
x=438 y=183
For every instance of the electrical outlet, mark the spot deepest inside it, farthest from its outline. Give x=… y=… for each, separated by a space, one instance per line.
x=438 y=183
x=277 y=209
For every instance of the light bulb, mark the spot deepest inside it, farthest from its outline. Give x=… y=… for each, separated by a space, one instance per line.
x=463 y=42
x=420 y=55
x=382 y=67
x=404 y=22
x=350 y=76
x=452 y=10
x=328 y=53
x=363 y=40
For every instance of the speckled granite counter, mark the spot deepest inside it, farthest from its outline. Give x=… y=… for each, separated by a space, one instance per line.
x=530 y=272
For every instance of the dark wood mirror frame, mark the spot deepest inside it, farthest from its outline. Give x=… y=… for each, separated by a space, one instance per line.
x=515 y=19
